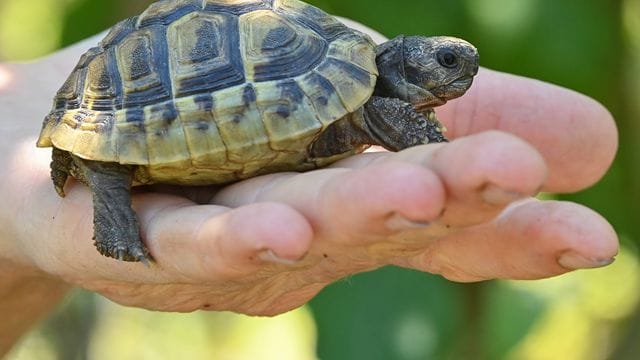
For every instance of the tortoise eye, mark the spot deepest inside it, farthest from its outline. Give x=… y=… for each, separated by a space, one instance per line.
x=448 y=59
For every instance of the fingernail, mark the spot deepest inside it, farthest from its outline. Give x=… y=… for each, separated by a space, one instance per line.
x=575 y=261
x=270 y=256
x=397 y=222
x=494 y=195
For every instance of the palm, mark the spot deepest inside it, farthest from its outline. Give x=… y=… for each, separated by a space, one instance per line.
x=268 y=244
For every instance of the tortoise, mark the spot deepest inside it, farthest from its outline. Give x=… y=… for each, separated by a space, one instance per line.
x=205 y=92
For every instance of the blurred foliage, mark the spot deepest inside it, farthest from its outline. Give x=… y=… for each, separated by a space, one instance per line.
x=127 y=333
x=590 y=46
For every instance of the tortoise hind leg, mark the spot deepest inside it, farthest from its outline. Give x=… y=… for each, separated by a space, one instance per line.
x=116 y=230
x=60 y=169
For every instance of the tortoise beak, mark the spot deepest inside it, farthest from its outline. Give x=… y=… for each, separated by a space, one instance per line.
x=425 y=103
x=453 y=90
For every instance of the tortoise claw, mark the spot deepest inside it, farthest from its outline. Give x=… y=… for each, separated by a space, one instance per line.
x=144 y=260
x=140 y=254
x=126 y=252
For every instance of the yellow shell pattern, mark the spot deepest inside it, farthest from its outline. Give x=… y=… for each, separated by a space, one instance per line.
x=201 y=92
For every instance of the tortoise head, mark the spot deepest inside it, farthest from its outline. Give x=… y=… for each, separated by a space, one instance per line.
x=425 y=71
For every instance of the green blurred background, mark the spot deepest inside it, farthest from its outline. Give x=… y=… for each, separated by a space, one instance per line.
x=590 y=46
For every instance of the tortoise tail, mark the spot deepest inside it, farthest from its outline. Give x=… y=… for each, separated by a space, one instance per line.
x=60 y=167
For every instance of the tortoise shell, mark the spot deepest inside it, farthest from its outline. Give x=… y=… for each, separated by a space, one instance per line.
x=209 y=91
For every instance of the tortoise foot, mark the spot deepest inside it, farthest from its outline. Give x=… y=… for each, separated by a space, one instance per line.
x=133 y=251
x=116 y=229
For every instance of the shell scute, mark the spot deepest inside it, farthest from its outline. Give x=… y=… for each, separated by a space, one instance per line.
x=130 y=135
x=206 y=56
x=240 y=125
x=327 y=105
x=203 y=139
x=287 y=115
x=313 y=18
x=141 y=65
x=167 y=11
x=99 y=92
x=350 y=82
x=118 y=32
x=166 y=139
x=236 y=7
x=274 y=47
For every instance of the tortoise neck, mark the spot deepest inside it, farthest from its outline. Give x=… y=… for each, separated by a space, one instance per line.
x=390 y=63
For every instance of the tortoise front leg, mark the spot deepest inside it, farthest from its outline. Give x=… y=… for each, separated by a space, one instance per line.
x=389 y=122
x=116 y=230
x=397 y=125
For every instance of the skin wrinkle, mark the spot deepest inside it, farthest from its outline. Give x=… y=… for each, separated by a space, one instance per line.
x=448 y=268
x=227 y=297
x=292 y=299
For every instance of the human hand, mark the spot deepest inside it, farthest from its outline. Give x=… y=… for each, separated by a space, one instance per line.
x=269 y=244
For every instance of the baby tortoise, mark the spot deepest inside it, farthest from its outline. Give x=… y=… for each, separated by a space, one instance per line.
x=202 y=92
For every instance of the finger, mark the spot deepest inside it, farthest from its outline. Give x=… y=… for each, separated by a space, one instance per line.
x=351 y=206
x=575 y=134
x=211 y=243
x=482 y=173
x=188 y=242
x=531 y=240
